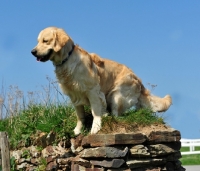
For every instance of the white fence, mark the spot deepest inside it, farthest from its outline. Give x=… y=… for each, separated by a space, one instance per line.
x=191 y=143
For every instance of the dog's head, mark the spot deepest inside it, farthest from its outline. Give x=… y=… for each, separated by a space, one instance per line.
x=53 y=44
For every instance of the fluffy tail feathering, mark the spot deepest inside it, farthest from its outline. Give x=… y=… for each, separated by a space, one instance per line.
x=156 y=104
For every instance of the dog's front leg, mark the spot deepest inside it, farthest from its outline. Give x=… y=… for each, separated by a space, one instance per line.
x=80 y=119
x=98 y=104
x=96 y=112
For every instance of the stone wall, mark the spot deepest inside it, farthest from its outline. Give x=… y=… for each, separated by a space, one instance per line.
x=155 y=151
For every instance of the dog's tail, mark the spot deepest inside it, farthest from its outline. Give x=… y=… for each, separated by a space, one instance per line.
x=156 y=104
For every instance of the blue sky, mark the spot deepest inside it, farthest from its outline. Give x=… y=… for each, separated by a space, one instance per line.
x=158 y=40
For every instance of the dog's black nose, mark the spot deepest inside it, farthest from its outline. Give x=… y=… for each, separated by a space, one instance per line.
x=34 y=51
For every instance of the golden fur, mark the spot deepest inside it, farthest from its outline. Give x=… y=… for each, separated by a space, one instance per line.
x=91 y=80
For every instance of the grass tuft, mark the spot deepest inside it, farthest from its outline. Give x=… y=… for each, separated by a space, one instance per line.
x=60 y=119
x=130 y=121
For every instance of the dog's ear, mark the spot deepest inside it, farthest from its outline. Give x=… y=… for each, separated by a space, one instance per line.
x=61 y=39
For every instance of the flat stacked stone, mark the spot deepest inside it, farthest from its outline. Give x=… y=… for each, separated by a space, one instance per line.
x=155 y=151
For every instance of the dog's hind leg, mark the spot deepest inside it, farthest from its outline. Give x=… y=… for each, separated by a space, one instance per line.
x=123 y=100
x=80 y=119
x=116 y=104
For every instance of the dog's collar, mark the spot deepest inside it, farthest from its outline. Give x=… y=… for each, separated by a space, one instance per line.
x=64 y=60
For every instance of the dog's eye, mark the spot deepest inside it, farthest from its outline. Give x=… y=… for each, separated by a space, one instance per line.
x=45 y=41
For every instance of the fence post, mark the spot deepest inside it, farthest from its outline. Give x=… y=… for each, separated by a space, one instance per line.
x=5 y=153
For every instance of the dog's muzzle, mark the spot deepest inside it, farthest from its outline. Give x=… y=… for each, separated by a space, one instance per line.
x=43 y=57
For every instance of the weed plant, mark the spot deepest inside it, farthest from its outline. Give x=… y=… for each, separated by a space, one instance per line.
x=45 y=111
x=130 y=121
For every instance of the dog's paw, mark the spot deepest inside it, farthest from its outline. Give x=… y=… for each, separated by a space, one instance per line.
x=95 y=130
x=96 y=126
x=77 y=131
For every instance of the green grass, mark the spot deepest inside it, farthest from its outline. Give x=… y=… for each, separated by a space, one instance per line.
x=184 y=149
x=60 y=119
x=192 y=159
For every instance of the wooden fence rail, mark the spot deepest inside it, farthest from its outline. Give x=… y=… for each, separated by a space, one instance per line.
x=5 y=153
x=191 y=143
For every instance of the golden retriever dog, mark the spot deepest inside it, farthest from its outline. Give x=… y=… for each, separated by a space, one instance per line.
x=88 y=79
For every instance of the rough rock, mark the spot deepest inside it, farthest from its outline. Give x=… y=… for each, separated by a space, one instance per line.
x=77 y=167
x=105 y=152
x=171 y=135
x=16 y=154
x=160 y=149
x=40 y=140
x=97 y=140
x=82 y=162
x=114 y=163
x=34 y=152
x=51 y=166
x=139 y=151
x=144 y=162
